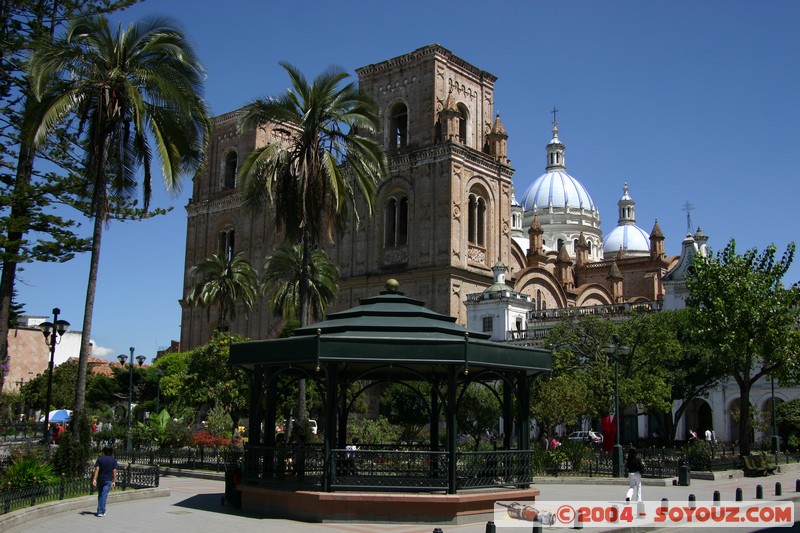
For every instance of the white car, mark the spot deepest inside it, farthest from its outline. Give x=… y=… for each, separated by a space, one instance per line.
x=586 y=436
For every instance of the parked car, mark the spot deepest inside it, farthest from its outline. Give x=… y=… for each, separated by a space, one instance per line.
x=586 y=436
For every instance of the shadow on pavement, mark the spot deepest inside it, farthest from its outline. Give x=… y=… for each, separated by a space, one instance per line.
x=213 y=503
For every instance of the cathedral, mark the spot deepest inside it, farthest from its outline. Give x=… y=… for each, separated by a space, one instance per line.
x=448 y=215
x=452 y=228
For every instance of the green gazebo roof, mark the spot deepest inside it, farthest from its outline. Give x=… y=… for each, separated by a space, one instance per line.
x=390 y=329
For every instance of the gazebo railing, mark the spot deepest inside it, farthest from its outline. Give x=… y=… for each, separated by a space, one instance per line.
x=401 y=470
x=390 y=470
x=495 y=468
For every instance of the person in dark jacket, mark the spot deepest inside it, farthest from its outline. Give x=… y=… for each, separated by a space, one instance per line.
x=105 y=477
x=635 y=468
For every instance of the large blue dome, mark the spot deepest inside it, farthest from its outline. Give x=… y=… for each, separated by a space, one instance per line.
x=558 y=189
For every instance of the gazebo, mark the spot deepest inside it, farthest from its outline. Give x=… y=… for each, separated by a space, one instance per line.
x=389 y=338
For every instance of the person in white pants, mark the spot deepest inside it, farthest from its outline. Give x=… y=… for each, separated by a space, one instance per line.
x=635 y=468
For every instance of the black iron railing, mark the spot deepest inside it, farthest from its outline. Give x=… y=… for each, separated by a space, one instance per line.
x=130 y=477
x=382 y=469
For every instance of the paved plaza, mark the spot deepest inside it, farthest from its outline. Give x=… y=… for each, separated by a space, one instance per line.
x=195 y=505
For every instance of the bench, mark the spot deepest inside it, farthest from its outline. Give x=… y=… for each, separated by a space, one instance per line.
x=757 y=465
x=763 y=462
x=751 y=468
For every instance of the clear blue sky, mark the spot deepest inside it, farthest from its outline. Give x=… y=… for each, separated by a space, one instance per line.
x=685 y=100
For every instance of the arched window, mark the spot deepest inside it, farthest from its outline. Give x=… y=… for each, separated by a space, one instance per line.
x=559 y=244
x=575 y=247
x=462 y=123
x=396 y=222
x=589 y=245
x=398 y=127
x=226 y=242
x=231 y=166
x=476 y=232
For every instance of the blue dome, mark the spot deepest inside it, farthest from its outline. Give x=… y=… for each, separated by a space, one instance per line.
x=558 y=189
x=630 y=237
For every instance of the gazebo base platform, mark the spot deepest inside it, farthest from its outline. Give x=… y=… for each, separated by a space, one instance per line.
x=381 y=507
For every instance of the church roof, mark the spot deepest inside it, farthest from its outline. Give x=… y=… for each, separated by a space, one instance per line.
x=629 y=237
x=556 y=189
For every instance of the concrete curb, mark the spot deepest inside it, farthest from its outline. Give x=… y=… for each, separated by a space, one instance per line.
x=16 y=518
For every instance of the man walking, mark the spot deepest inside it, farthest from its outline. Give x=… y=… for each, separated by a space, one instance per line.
x=105 y=477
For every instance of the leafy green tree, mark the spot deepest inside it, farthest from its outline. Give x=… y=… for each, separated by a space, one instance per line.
x=407 y=406
x=63 y=393
x=281 y=279
x=560 y=400
x=644 y=379
x=692 y=369
x=128 y=89
x=478 y=411
x=748 y=317
x=224 y=281
x=31 y=229
x=208 y=379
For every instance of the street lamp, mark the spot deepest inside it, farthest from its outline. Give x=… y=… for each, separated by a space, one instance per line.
x=776 y=440
x=51 y=331
x=139 y=359
x=160 y=374
x=615 y=350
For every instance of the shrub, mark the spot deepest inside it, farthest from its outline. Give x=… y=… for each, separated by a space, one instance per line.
x=205 y=438
x=28 y=470
x=698 y=454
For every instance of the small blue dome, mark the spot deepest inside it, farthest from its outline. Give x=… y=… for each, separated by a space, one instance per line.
x=558 y=189
x=631 y=238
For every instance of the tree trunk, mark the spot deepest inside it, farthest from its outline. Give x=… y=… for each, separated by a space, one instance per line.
x=88 y=310
x=302 y=412
x=19 y=211
x=744 y=415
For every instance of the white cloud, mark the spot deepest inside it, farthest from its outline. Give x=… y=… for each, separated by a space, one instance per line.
x=100 y=351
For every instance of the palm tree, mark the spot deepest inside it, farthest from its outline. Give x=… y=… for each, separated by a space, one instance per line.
x=281 y=278
x=328 y=163
x=222 y=281
x=128 y=89
x=314 y=177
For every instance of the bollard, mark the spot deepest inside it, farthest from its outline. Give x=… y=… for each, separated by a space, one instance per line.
x=739 y=496
x=437 y=530
x=759 y=492
x=692 y=500
x=640 y=510
x=490 y=527
x=716 y=498
x=577 y=524
x=536 y=527
x=778 y=489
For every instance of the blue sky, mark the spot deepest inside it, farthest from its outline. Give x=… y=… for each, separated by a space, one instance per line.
x=685 y=100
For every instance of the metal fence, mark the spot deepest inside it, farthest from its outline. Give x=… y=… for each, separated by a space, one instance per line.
x=131 y=477
x=384 y=469
x=190 y=458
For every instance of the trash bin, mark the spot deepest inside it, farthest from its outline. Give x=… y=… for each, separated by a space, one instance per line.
x=684 y=477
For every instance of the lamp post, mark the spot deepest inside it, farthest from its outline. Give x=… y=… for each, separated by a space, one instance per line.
x=160 y=374
x=615 y=350
x=51 y=331
x=139 y=359
x=776 y=440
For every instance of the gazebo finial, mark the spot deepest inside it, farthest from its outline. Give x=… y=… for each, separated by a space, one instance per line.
x=392 y=285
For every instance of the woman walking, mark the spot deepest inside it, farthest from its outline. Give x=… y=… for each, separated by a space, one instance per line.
x=635 y=468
